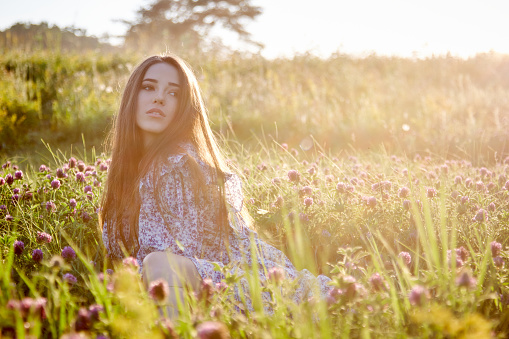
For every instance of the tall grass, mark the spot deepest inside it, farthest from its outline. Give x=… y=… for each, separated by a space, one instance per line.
x=451 y=283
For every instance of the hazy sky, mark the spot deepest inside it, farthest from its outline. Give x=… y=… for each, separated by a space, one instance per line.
x=386 y=27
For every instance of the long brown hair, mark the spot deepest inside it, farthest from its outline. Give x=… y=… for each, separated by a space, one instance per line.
x=130 y=161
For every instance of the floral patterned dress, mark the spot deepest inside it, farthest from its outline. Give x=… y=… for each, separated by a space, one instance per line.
x=172 y=217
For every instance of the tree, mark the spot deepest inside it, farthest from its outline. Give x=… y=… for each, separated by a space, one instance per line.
x=188 y=22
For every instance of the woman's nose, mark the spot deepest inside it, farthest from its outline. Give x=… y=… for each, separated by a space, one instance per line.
x=159 y=98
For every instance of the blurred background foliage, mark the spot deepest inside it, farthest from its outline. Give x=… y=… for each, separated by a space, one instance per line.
x=60 y=85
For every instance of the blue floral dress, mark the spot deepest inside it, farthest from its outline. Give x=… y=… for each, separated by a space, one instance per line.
x=180 y=221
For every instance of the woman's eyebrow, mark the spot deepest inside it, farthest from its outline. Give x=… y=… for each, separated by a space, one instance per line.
x=155 y=81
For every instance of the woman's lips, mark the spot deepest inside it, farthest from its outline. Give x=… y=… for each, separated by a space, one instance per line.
x=155 y=112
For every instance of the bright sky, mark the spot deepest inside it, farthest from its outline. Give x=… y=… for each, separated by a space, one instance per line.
x=286 y=27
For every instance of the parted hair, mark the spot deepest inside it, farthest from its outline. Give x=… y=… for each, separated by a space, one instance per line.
x=130 y=161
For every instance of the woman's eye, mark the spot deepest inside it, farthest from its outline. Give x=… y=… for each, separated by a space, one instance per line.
x=173 y=93
x=146 y=87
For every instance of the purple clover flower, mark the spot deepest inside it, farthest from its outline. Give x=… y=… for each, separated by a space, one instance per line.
x=80 y=177
x=480 y=216
x=61 y=174
x=418 y=295
x=68 y=253
x=403 y=192
x=405 y=257
x=212 y=329
x=50 y=206
x=37 y=255
x=43 y=168
x=87 y=189
x=18 y=175
x=70 y=279
x=81 y=166
x=43 y=237
x=466 y=280
x=72 y=162
x=377 y=282
x=371 y=202
x=159 y=290
x=72 y=202
x=293 y=175
x=308 y=202
x=83 y=321
x=9 y=179
x=55 y=184
x=496 y=248
x=19 y=247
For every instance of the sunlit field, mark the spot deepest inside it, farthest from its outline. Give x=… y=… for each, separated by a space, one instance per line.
x=388 y=175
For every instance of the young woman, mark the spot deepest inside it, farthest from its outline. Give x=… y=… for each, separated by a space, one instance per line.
x=171 y=201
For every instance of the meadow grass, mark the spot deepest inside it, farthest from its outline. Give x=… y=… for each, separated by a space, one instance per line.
x=414 y=247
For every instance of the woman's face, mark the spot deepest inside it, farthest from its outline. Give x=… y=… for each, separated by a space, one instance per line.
x=157 y=100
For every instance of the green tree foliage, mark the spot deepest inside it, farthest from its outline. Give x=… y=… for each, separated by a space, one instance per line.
x=32 y=37
x=177 y=23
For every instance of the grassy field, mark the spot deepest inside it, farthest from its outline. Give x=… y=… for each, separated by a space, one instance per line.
x=388 y=175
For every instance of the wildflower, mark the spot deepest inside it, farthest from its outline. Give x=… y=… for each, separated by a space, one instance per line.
x=15 y=198
x=28 y=195
x=279 y=201
x=468 y=182
x=371 y=202
x=329 y=178
x=61 y=174
x=206 y=289
x=466 y=280
x=43 y=237
x=50 y=206
x=80 y=165
x=43 y=168
x=87 y=189
x=308 y=202
x=103 y=167
x=481 y=216
x=496 y=247
x=19 y=247
x=9 y=179
x=403 y=192
x=498 y=262
x=479 y=186
x=276 y=181
x=72 y=162
x=83 y=321
x=9 y=217
x=462 y=253
x=465 y=199
x=491 y=207
x=341 y=187
x=130 y=262
x=276 y=275
x=377 y=282
x=18 y=175
x=417 y=295
x=431 y=192
x=72 y=202
x=68 y=253
x=458 y=180
x=293 y=175
x=159 y=290
x=307 y=190
x=37 y=255
x=2 y=181
x=212 y=329
x=55 y=184
x=303 y=217
x=483 y=171
x=80 y=177
x=93 y=311
x=85 y=217
x=70 y=279
x=405 y=257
